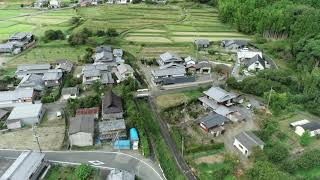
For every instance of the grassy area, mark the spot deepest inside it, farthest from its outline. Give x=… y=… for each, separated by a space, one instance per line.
x=175 y=99
x=310 y=174
x=66 y=173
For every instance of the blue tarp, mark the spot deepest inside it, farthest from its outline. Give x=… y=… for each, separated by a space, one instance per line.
x=122 y=144
x=134 y=134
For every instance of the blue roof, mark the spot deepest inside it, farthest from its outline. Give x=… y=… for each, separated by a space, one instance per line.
x=134 y=134
x=122 y=143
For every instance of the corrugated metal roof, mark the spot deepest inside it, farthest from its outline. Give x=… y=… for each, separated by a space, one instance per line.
x=82 y=123
x=249 y=140
x=113 y=125
x=219 y=95
x=25 y=111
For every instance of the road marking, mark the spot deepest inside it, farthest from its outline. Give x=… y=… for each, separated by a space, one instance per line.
x=96 y=162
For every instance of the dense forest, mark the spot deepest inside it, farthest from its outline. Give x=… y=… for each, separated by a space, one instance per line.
x=289 y=30
x=296 y=25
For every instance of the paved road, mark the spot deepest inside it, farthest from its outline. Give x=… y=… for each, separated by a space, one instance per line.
x=183 y=166
x=142 y=168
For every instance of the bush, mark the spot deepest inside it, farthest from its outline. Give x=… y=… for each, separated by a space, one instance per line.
x=101 y=33
x=305 y=139
x=50 y=95
x=83 y=172
x=50 y=35
x=112 y=32
x=75 y=20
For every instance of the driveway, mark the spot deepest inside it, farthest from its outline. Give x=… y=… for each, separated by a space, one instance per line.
x=142 y=167
x=53 y=108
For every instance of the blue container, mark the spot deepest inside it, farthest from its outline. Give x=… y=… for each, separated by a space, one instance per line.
x=134 y=134
x=122 y=144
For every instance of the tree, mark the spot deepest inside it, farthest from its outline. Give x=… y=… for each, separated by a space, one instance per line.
x=263 y=170
x=277 y=152
x=305 y=139
x=50 y=35
x=112 y=32
x=83 y=172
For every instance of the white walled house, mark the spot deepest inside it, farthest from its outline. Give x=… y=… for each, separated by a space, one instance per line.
x=81 y=131
x=312 y=127
x=246 y=141
x=28 y=114
x=255 y=63
x=248 y=54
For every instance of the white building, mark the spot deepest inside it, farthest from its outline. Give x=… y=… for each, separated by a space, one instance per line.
x=246 y=141
x=28 y=114
x=312 y=127
x=247 y=54
x=124 y=71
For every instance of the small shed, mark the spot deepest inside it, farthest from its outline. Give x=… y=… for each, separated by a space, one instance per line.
x=70 y=92
x=245 y=141
x=81 y=130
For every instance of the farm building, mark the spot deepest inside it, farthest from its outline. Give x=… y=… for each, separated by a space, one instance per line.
x=312 y=127
x=134 y=138
x=216 y=96
x=70 y=92
x=18 y=96
x=202 y=43
x=27 y=69
x=81 y=130
x=32 y=81
x=213 y=124
x=52 y=77
x=112 y=107
x=64 y=65
x=114 y=129
x=203 y=67
x=94 y=111
x=28 y=114
x=245 y=141
x=245 y=53
x=29 y=165
x=255 y=63
x=96 y=72
x=124 y=71
x=118 y=174
x=169 y=57
x=233 y=44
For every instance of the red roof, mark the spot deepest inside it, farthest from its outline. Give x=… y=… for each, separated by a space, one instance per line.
x=87 y=111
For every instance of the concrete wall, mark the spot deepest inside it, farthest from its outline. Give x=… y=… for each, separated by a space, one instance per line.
x=241 y=148
x=14 y=125
x=81 y=139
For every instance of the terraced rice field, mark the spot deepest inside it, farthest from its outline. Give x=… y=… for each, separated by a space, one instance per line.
x=36 y=21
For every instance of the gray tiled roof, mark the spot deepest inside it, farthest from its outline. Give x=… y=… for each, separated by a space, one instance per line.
x=239 y=43
x=122 y=68
x=52 y=74
x=106 y=48
x=113 y=125
x=213 y=120
x=25 y=111
x=222 y=110
x=20 y=35
x=203 y=64
x=16 y=94
x=219 y=95
x=82 y=123
x=168 y=56
x=32 y=81
x=249 y=140
x=202 y=42
x=312 y=126
x=103 y=56
x=253 y=60
x=26 y=67
x=111 y=103
x=168 y=72
x=171 y=65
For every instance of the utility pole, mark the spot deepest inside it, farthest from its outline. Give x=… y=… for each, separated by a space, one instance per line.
x=36 y=136
x=269 y=97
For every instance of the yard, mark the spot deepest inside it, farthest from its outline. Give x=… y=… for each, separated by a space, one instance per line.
x=51 y=135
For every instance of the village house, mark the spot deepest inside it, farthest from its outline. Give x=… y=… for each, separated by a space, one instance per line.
x=9 y=48
x=233 y=44
x=112 y=107
x=29 y=165
x=27 y=69
x=18 y=96
x=17 y=43
x=104 y=55
x=118 y=174
x=203 y=67
x=202 y=43
x=245 y=53
x=190 y=62
x=52 y=77
x=28 y=114
x=213 y=124
x=255 y=64
x=216 y=96
x=96 y=72
x=246 y=141
x=124 y=71
x=169 y=57
x=94 y=112
x=112 y=130
x=313 y=128
x=70 y=93
x=232 y=115
x=64 y=65
x=32 y=81
x=81 y=130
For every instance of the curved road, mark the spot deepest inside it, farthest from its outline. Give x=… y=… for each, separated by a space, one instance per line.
x=141 y=168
